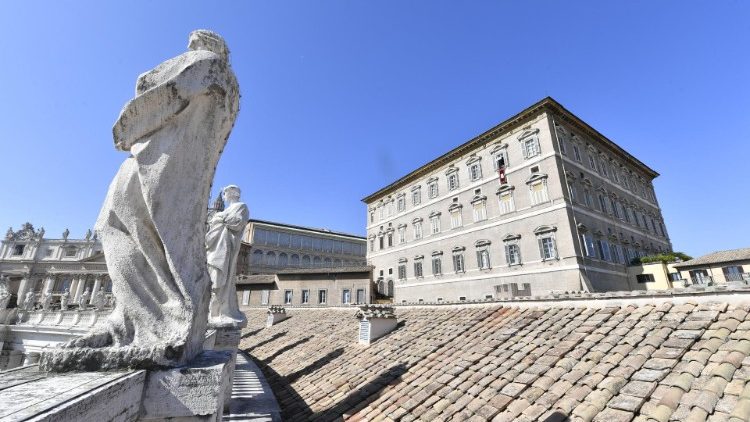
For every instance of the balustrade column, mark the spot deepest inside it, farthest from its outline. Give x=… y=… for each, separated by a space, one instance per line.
x=79 y=288
x=97 y=285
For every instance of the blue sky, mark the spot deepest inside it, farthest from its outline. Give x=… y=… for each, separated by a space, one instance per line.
x=339 y=98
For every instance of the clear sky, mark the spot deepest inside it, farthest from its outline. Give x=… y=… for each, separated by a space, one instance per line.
x=340 y=98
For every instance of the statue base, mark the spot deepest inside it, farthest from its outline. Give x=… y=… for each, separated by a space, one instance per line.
x=109 y=358
x=193 y=392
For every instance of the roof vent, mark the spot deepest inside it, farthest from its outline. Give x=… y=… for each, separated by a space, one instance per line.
x=276 y=314
x=375 y=321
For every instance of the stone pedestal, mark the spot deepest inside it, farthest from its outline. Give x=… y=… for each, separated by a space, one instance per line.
x=194 y=392
x=228 y=340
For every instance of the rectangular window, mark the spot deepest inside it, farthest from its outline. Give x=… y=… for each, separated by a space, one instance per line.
x=322 y=297
x=305 y=296
x=645 y=278
x=588 y=245
x=264 y=297
x=563 y=147
x=390 y=239
x=732 y=273
x=512 y=254
x=18 y=250
x=418 y=269
x=437 y=267
x=418 y=230
x=547 y=248
x=416 y=197
x=602 y=203
x=538 y=192
x=372 y=245
x=530 y=148
x=401 y=203
x=603 y=248
x=675 y=276
x=480 y=211
x=287 y=297
x=587 y=197
x=453 y=181
x=381 y=241
x=615 y=210
x=483 y=259
x=616 y=255
x=432 y=190
x=592 y=163
x=456 y=220
x=458 y=263
x=506 y=202
x=346 y=296
x=475 y=171
x=402 y=272
x=572 y=192
x=577 y=153
x=435 y=225
x=501 y=160
x=246 y=297
x=360 y=295
x=402 y=235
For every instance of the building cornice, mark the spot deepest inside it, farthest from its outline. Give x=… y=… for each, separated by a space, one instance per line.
x=547 y=104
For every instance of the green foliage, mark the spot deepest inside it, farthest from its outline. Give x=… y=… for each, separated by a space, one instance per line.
x=664 y=258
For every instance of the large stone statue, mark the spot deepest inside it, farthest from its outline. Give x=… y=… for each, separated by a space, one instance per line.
x=99 y=300
x=64 y=299
x=28 y=301
x=47 y=301
x=153 y=222
x=222 y=247
x=83 y=300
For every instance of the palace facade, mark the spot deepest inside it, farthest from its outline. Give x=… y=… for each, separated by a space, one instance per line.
x=541 y=202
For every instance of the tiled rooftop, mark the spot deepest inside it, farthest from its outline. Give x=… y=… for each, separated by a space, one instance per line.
x=605 y=362
x=718 y=257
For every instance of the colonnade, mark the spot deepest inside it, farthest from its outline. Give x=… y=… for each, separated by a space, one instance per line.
x=77 y=286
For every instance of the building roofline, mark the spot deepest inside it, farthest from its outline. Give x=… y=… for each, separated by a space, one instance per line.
x=312 y=229
x=546 y=104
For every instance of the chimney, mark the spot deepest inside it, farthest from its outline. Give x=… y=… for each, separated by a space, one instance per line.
x=375 y=321
x=276 y=314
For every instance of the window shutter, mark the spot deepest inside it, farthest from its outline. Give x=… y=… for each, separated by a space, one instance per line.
x=507 y=254
x=541 y=248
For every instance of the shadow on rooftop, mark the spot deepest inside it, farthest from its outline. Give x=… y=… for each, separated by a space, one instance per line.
x=251 y=333
x=286 y=348
x=294 y=407
x=294 y=376
x=266 y=341
x=557 y=417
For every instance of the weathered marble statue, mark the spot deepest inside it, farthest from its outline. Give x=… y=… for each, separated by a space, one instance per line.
x=64 y=299
x=47 y=301
x=153 y=222
x=28 y=301
x=83 y=300
x=4 y=292
x=222 y=248
x=99 y=299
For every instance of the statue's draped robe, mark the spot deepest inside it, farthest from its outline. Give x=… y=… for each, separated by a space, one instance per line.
x=152 y=223
x=222 y=248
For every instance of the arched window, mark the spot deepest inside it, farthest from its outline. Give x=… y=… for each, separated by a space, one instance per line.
x=306 y=261
x=271 y=259
x=327 y=262
x=389 y=288
x=316 y=261
x=257 y=257
x=294 y=261
x=283 y=260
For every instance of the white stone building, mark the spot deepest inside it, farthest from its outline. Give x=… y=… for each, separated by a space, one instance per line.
x=541 y=202
x=38 y=264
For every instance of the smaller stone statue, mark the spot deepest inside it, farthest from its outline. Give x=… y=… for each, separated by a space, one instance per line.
x=94 y=237
x=66 y=233
x=64 y=299
x=28 y=301
x=83 y=301
x=40 y=235
x=88 y=235
x=9 y=234
x=223 y=241
x=46 y=301
x=4 y=292
x=99 y=300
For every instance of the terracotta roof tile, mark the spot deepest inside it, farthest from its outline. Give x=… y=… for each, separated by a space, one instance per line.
x=489 y=362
